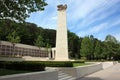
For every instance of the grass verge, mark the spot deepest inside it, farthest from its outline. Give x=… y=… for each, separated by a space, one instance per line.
x=79 y=64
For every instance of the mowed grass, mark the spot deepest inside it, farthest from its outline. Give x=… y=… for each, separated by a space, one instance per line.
x=79 y=64
x=8 y=72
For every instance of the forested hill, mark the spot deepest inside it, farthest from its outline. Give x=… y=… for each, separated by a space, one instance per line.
x=28 y=32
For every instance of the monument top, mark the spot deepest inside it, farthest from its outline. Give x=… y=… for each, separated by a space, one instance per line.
x=62 y=7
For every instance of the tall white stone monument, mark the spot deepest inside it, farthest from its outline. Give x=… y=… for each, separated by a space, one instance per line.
x=61 y=38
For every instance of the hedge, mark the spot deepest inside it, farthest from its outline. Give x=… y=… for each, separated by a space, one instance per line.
x=78 y=61
x=36 y=65
x=58 y=63
x=27 y=66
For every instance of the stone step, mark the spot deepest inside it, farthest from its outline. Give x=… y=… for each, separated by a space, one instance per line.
x=59 y=73
x=64 y=76
x=72 y=79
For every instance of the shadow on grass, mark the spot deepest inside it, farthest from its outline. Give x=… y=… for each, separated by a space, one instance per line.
x=90 y=78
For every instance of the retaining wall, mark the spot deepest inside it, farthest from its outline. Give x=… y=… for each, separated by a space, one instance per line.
x=45 y=75
x=24 y=58
x=108 y=64
x=81 y=71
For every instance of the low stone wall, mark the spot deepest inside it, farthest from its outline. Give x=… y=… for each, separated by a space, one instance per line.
x=115 y=62
x=108 y=64
x=81 y=71
x=85 y=70
x=29 y=58
x=10 y=59
x=24 y=58
x=45 y=75
x=52 y=73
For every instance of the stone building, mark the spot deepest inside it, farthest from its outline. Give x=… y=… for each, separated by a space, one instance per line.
x=20 y=50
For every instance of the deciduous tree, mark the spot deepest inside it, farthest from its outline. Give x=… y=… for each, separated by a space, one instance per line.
x=39 y=42
x=19 y=10
x=86 y=47
x=13 y=38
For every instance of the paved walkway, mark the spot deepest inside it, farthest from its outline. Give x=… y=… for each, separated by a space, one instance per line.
x=112 y=73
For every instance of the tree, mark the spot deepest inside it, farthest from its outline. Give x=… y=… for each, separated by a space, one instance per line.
x=48 y=46
x=98 y=50
x=73 y=45
x=86 y=47
x=13 y=38
x=0 y=36
x=104 y=52
x=110 y=38
x=6 y=27
x=39 y=42
x=31 y=31
x=116 y=51
x=50 y=35
x=19 y=10
x=92 y=40
x=112 y=47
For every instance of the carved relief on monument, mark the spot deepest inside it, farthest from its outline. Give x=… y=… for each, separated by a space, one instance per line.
x=62 y=7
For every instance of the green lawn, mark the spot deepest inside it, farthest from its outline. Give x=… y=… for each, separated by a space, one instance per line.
x=8 y=72
x=79 y=64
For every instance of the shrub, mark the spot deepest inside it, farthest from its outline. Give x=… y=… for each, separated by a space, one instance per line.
x=79 y=61
x=1 y=64
x=27 y=66
x=36 y=65
x=57 y=63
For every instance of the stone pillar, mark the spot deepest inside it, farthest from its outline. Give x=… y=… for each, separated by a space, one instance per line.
x=61 y=36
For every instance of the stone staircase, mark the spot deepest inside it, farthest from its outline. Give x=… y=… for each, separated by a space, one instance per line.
x=64 y=76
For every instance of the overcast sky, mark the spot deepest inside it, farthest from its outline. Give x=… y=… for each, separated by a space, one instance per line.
x=84 y=17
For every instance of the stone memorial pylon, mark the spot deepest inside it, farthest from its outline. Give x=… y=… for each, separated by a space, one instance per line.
x=61 y=35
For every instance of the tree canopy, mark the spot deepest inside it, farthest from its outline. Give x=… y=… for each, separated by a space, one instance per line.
x=110 y=38
x=19 y=10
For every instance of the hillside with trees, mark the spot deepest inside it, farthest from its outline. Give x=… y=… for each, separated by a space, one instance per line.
x=87 y=47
